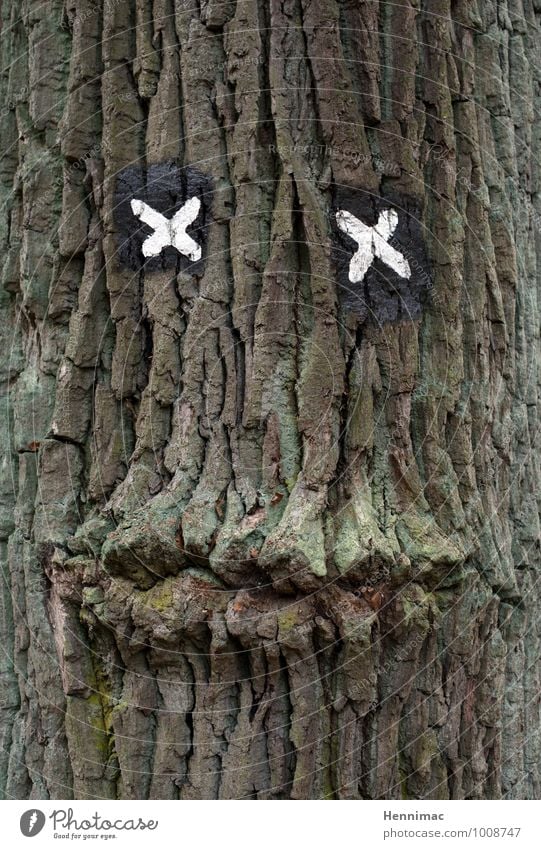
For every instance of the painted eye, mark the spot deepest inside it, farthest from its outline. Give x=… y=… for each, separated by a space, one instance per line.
x=383 y=273
x=372 y=244
x=160 y=216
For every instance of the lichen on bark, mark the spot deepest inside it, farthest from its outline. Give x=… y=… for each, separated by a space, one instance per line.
x=254 y=545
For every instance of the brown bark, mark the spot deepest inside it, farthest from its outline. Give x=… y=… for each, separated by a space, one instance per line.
x=255 y=546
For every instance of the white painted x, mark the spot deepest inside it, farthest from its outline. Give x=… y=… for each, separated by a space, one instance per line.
x=372 y=242
x=169 y=231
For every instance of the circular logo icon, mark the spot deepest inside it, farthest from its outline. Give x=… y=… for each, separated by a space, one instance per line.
x=32 y=822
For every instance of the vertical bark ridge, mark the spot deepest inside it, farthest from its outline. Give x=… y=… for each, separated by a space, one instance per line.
x=252 y=546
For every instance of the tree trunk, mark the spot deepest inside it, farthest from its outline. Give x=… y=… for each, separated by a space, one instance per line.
x=258 y=542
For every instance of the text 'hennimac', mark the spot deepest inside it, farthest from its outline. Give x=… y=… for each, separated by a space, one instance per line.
x=415 y=815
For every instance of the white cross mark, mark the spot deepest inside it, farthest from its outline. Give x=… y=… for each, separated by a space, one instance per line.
x=372 y=242
x=169 y=231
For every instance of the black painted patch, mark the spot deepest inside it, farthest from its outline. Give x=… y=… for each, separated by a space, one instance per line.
x=165 y=187
x=383 y=296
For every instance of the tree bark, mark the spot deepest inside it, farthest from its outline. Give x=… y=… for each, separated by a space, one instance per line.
x=253 y=544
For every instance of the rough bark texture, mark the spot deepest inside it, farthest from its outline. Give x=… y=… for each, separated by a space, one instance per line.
x=252 y=545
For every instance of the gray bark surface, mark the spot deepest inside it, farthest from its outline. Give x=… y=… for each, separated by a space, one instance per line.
x=253 y=546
